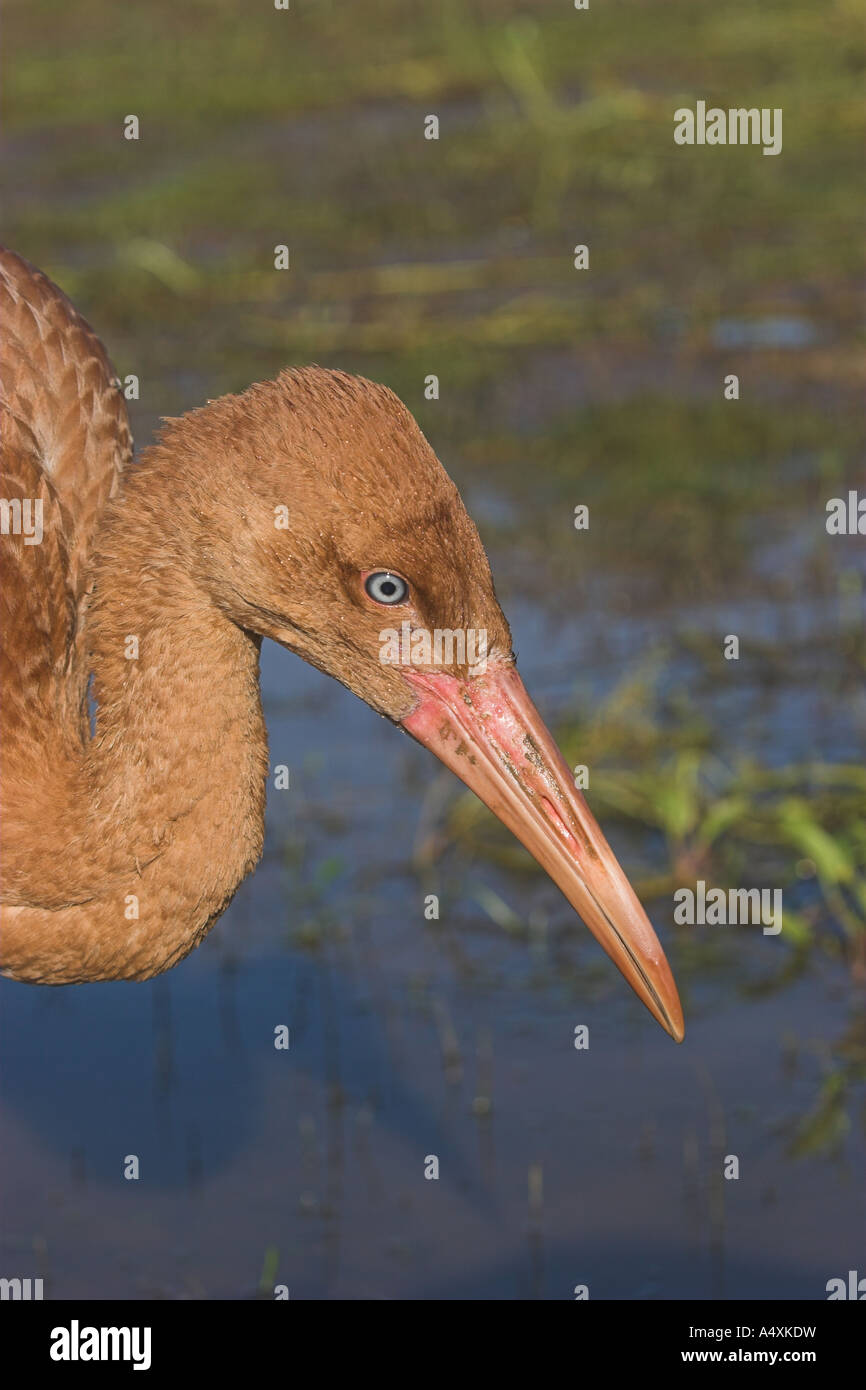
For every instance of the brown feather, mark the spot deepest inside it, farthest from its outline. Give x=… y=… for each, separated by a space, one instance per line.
x=120 y=850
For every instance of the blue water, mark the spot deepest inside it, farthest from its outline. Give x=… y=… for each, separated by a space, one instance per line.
x=411 y=1039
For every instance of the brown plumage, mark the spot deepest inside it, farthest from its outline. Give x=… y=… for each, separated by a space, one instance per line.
x=259 y=515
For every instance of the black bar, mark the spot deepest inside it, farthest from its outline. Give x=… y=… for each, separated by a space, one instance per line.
x=232 y=1338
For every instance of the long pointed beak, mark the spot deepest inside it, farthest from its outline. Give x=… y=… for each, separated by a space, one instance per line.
x=489 y=732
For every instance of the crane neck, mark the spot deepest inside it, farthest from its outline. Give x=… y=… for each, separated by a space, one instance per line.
x=160 y=813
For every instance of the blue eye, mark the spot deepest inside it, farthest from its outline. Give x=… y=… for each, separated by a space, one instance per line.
x=384 y=587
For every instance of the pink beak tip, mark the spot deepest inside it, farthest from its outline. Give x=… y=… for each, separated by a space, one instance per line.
x=489 y=733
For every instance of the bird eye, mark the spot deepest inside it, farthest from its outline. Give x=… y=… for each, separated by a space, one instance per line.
x=384 y=587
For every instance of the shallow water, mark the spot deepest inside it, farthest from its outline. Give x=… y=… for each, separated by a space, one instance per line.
x=408 y=1039
x=453 y=1038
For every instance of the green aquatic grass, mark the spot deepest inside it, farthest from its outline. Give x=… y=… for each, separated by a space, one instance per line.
x=556 y=128
x=268 y=1276
x=689 y=812
x=657 y=768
